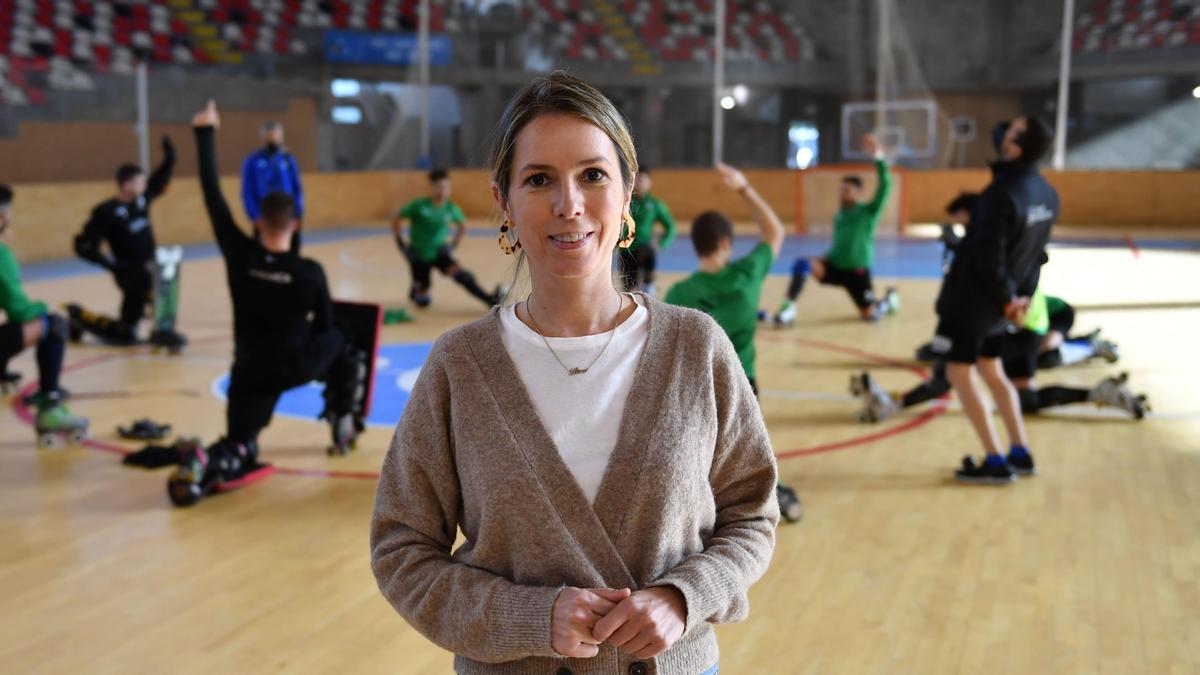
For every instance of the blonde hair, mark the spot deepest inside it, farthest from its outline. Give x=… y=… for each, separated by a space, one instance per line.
x=556 y=94
x=560 y=94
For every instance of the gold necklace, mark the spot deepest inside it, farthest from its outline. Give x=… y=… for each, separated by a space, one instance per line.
x=576 y=370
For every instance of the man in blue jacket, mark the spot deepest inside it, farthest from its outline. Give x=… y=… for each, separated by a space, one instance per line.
x=272 y=169
x=991 y=280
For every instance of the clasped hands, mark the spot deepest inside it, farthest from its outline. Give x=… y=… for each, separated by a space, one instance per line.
x=644 y=623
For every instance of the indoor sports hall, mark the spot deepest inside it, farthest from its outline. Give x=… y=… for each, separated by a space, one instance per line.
x=269 y=152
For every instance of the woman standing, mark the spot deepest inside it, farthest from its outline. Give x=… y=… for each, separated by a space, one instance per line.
x=602 y=453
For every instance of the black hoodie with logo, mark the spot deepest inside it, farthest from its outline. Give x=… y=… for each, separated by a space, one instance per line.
x=1004 y=249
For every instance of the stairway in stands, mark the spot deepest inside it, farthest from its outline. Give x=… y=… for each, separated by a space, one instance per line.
x=205 y=34
x=643 y=62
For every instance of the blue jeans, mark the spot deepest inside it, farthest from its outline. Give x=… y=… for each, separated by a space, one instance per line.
x=712 y=671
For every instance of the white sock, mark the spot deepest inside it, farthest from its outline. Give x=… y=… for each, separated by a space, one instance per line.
x=1074 y=352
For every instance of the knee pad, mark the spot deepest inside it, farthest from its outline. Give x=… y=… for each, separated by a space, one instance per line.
x=802 y=267
x=56 y=328
x=345 y=385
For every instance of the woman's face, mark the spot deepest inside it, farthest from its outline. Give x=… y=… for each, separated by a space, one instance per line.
x=566 y=197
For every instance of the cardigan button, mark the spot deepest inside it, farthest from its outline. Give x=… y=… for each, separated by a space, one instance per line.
x=637 y=668
x=563 y=671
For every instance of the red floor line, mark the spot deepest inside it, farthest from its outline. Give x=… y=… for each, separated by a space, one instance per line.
x=1133 y=246
x=908 y=425
x=924 y=418
x=25 y=415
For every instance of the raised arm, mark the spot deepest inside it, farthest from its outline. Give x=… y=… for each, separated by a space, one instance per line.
x=716 y=581
x=883 y=188
x=768 y=223
x=161 y=178
x=462 y=609
x=225 y=229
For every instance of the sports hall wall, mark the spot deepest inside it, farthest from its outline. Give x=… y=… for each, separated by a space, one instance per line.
x=85 y=150
x=48 y=215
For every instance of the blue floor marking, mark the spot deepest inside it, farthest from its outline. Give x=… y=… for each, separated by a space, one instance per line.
x=63 y=268
x=396 y=371
x=894 y=257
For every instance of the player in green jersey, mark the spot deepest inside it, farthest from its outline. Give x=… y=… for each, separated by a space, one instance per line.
x=429 y=244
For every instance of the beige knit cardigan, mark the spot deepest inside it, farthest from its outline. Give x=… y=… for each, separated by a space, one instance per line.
x=687 y=500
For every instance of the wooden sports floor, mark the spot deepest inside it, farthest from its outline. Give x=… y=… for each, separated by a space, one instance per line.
x=1091 y=567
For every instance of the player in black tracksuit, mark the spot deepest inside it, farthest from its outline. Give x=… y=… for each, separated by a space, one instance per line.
x=994 y=273
x=123 y=223
x=283 y=319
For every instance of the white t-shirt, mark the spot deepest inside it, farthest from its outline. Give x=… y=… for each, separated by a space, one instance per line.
x=582 y=413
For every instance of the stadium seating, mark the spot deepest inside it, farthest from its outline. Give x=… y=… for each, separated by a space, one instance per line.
x=62 y=42
x=672 y=30
x=59 y=44
x=1126 y=25
x=574 y=30
x=754 y=30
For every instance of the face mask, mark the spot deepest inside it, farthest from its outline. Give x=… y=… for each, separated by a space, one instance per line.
x=998 y=134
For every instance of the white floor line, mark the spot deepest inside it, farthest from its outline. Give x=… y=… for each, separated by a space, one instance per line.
x=807 y=395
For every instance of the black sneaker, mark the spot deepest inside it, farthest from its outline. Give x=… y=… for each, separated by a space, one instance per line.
x=1022 y=465
x=790 y=506
x=984 y=474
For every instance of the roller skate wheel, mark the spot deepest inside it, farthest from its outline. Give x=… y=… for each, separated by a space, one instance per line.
x=794 y=512
x=77 y=435
x=183 y=493
x=48 y=440
x=856 y=385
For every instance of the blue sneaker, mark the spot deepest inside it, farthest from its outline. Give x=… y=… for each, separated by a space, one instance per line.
x=987 y=473
x=1021 y=463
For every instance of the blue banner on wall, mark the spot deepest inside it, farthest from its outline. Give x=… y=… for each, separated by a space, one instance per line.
x=383 y=49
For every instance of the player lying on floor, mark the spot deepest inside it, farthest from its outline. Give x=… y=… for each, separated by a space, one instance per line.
x=1021 y=358
x=1058 y=347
